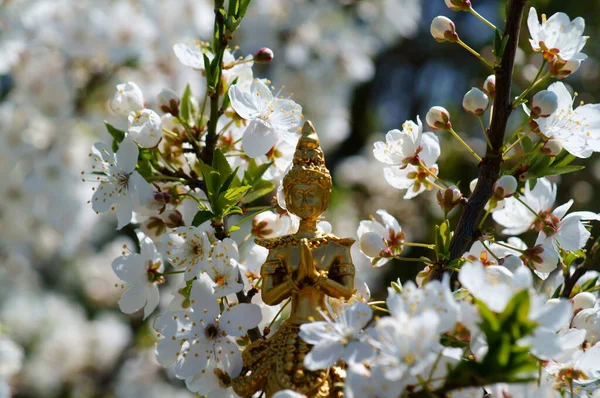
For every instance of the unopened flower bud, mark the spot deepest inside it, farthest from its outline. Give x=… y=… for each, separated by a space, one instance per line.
x=371 y=244
x=561 y=69
x=458 y=5
x=505 y=186
x=543 y=104
x=475 y=101
x=128 y=98
x=449 y=198
x=443 y=29
x=552 y=147
x=264 y=56
x=489 y=86
x=473 y=184
x=438 y=118
x=583 y=300
x=168 y=101
x=145 y=128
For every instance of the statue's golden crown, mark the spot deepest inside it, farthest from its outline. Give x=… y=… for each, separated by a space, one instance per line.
x=309 y=158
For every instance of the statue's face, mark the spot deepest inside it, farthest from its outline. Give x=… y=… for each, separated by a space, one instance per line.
x=306 y=201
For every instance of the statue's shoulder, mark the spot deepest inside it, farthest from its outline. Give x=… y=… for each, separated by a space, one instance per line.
x=346 y=242
x=273 y=243
x=292 y=240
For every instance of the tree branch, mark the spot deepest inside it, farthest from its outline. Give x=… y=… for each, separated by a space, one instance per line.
x=466 y=231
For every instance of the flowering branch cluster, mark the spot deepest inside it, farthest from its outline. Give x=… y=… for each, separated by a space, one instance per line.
x=199 y=169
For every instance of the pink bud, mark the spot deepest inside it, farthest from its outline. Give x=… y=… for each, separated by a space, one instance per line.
x=489 y=86
x=475 y=101
x=449 y=198
x=458 y=5
x=264 y=56
x=438 y=118
x=543 y=104
x=561 y=69
x=443 y=29
x=505 y=186
x=552 y=147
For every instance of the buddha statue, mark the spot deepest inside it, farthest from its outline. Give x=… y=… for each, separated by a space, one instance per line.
x=305 y=268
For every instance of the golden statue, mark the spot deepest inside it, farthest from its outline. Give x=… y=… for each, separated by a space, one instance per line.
x=306 y=267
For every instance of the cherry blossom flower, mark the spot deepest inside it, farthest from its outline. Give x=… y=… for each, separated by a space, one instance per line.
x=435 y=296
x=128 y=98
x=188 y=247
x=494 y=285
x=122 y=186
x=145 y=128
x=578 y=130
x=337 y=338
x=222 y=267
x=269 y=224
x=580 y=366
x=370 y=382
x=270 y=118
x=380 y=242
x=141 y=274
x=193 y=338
x=588 y=319
x=555 y=227
x=410 y=151
x=556 y=36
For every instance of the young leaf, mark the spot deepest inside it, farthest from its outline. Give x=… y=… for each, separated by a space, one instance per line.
x=259 y=189
x=220 y=163
x=201 y=217
x=118 y=135
x=186 y=105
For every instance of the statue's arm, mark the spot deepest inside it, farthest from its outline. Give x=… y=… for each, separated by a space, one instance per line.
x=340 y=281
x=277 y=283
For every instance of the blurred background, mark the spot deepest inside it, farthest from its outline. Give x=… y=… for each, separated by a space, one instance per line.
x=359 y=68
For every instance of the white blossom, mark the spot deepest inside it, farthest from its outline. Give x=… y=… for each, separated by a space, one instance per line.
x=270 y=118
x=578 y=130
x=588 y=319
x=121 y=187
x=505 y=186
x=188 y=247
x=128 y=98
x=145 y=128
x=380 y=241
x=556 y=36
x=140 y=273
x=489 y=86
x=337 y=338
x=494 y=285
x=222 y=267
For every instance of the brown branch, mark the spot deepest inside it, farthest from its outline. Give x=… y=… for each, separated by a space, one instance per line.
x=489 y=169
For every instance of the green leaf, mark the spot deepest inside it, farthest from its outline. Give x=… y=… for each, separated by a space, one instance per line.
x=490 y=323
x=563 y=159
x=226 y=99
x=554 y=171
x=228 y=199
x=527 y=144
x=185 y=112
x=117 y=135
x=211 y=178
x=397 y=286
x=254 y=172
x=503 y=45
x=443 y=236
x=221 y=164
x=228 y=182
x=201 y=217
x=259 y=189
x=497 y=43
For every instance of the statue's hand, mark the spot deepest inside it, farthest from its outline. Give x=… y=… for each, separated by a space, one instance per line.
x=306 y=261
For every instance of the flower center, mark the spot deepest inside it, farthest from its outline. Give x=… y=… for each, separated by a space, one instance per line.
x=546 y=222
x=211 y=331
